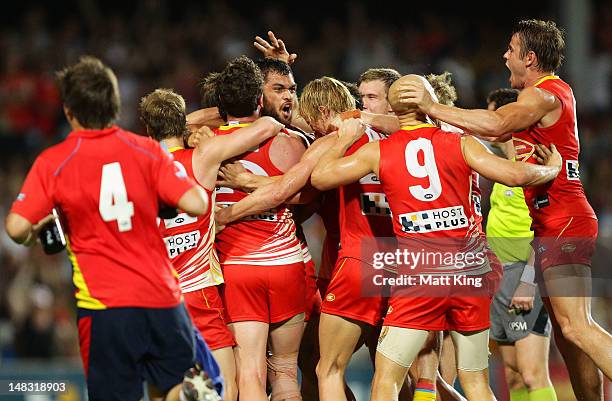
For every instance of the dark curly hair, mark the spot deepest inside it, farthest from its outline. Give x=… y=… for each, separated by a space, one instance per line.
x=239 y=87
x=502 y=97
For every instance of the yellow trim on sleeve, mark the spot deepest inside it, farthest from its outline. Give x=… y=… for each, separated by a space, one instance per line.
x=84 y=298
x=175 y=148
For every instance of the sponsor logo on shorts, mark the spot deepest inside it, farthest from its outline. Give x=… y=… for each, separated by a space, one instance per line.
x=568 y=247
x=572 y=168
x=330 y=297
x=425 y=221
x=375 y=204
x=518 y=326
x=21 y=196
x=389 y=310
x=177 y=244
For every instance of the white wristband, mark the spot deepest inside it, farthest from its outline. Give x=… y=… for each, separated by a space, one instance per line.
x=528 y=275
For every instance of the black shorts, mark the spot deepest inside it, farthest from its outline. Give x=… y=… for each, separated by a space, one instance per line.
x=122 y=347
x=508 y=328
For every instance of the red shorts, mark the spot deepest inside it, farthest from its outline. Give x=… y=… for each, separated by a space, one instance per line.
x=268 y=294
x=206 y=311
x=313 y=296
x=565 y=241
x=439 y=313
x=347 y=295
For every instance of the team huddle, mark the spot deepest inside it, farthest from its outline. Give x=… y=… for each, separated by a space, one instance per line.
x=199 y=226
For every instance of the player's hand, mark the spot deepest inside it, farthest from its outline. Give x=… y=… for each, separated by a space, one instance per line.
x=275 y=48
x=221 y=217
x=350 y=130
x=234 y=175
x=350 y=114
x=548 y=157
x=415 y=93
x=199 y=135
x=36 y=228
x=218 y=227
x=522 y=300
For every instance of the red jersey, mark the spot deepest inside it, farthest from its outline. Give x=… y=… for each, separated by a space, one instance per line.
x=364 y=211
x=190 y=240
x=550 y=201
x=429 y=189
x=106 y=185
x=264 y=239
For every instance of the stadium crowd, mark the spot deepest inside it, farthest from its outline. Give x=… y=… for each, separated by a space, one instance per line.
x=36 y=309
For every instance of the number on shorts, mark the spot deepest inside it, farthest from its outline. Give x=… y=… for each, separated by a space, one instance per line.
x=114 y=204
x=428 y=169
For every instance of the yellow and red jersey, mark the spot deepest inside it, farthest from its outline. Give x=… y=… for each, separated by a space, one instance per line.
x=551 y=201
x=267 y=238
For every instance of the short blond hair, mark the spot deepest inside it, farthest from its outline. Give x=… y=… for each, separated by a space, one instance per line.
x=327 y=92
x=163 y=113
x=443 y=88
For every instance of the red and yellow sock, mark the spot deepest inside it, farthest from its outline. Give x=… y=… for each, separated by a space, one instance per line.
x=425 y=391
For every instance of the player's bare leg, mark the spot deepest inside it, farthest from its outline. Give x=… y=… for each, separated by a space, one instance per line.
x=425 y=370
x=586 y=379
x=250 y=352
x=337 y=339
x=532 y=361
x=227 y=363
x=568 y=288
x=448 y=365
x=284 y=343
x=308 y=359
x=526 y=363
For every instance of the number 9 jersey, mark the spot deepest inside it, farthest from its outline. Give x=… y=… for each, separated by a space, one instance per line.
x=106 y=184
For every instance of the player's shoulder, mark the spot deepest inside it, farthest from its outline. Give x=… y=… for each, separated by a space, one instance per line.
x=138 y=145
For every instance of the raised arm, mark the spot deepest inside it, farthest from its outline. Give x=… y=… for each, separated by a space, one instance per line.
x=532 y=105
x=209 y=154
x=275 y=48
x=209 y=117
x=334 y=170
x=512 y=174
x=278 y=192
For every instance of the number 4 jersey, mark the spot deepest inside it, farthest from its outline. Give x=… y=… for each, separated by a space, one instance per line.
x=106 y=184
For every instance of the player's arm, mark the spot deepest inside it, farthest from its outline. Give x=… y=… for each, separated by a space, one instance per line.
x=512 y=174
x=209 y=154
x=194 y=201
x=22 y=231
x=531 y=106
x=31 y=210
x=386 y=123
x=278 y=192
x=274 y=48
x=209 y=117
x=333 y=170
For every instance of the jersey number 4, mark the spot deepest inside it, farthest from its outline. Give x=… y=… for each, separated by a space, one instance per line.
x=427 y=169
x=114 y=204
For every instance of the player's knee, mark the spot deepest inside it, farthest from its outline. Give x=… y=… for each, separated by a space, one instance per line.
x=282 y=369
x=513 y=378
x=329 y=367
x=533 y=379
x=574 y=330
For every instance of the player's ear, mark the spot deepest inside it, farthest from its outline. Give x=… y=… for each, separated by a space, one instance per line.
x=531 y=59
x=260 y=101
